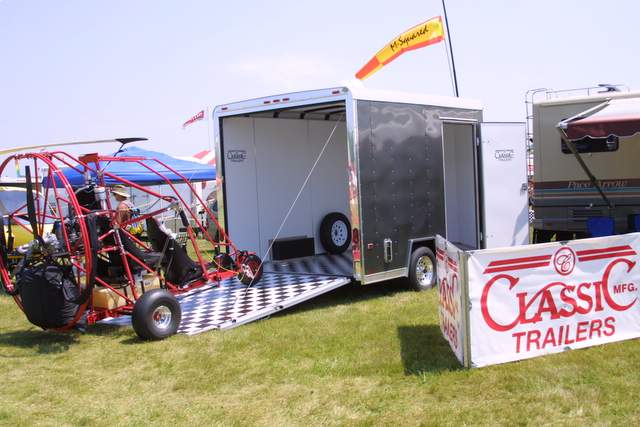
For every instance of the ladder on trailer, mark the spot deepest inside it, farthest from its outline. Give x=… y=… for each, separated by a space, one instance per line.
x=529 y=98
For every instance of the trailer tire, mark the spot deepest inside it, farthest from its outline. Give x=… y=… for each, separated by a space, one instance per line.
x=156 y=315
x=422 y=269
x=335 y=233
x=254 y=265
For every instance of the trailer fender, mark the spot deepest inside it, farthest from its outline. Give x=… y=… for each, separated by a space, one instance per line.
x=421 y=254
x=427 y=242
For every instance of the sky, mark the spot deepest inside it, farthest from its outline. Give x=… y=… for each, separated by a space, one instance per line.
x=82 y=70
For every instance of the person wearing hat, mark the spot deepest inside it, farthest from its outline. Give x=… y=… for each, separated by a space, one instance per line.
x=123 y=211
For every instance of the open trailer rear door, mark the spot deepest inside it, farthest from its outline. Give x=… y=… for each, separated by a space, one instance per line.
x=505 y=203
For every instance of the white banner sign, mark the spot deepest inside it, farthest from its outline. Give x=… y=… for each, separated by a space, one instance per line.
x=533 y=300
x=452 y=317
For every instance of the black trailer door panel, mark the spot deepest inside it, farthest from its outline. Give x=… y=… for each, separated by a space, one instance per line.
x=401 y=178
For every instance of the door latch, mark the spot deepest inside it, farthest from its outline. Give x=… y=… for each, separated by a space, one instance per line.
x=388 y=251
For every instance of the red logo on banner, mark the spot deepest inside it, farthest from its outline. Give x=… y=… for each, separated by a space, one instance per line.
x=564 y=261
x=571 y=300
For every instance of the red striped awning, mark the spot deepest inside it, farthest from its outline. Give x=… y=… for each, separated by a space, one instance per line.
x=617 y=117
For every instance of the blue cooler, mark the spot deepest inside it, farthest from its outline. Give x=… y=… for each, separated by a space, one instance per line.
x=600 y=226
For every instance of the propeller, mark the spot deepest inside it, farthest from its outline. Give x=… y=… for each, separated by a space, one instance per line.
x=3 y=242
x=17 y=184
x=10 y=238
x=31 y=206
x=122 y=141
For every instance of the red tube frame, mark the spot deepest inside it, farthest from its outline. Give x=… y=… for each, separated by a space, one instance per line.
x=56 y=176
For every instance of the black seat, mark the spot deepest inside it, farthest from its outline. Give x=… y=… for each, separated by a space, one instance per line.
x=179 y=267
x=151 y=259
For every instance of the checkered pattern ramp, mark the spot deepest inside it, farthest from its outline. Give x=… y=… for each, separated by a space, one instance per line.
x=326 y=264
x=233 y=305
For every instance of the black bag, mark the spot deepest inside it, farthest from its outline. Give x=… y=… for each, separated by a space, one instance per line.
x=49 y=294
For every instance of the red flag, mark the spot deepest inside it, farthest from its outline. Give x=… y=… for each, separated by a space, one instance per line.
x=194 y=119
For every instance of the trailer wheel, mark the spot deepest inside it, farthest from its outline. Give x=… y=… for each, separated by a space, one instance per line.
x=250 y=270
x=422 y=269
x=156 y=315
x=335 y=233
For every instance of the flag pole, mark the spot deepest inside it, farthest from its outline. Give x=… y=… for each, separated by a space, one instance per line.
x=208 y=129
x=453 y=64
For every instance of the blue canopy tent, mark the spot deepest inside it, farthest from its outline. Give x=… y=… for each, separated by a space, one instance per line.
x=138 y=174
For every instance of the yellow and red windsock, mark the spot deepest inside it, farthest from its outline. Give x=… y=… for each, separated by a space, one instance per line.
x=425 y=34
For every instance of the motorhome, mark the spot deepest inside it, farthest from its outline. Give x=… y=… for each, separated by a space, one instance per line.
x=601 y=180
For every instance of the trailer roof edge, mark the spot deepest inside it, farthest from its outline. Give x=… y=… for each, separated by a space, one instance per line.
x=369 y=94
x=600 y=96
x=357 y=92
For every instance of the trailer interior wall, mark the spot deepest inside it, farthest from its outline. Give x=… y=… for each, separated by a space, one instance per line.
x=266 y=162
x=460 y=183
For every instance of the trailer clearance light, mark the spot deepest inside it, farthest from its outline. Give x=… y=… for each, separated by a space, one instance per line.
x=335 y=92
x=355 y=236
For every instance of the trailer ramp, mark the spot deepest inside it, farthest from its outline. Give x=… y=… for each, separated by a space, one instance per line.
x=232 y=304
x=322 y=264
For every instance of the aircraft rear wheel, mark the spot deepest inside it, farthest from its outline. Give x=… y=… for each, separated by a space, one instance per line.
x=250 y=270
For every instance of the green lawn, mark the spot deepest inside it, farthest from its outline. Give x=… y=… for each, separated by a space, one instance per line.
x=360 y=355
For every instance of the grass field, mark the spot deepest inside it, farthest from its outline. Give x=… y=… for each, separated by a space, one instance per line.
x=359 y=355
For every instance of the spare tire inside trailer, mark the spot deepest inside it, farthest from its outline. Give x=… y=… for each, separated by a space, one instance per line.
x=335 y=233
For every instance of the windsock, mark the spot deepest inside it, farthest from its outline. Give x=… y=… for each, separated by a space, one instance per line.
x=425 y=34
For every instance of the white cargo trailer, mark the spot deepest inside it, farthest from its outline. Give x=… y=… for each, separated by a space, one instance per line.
x=365 y=180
